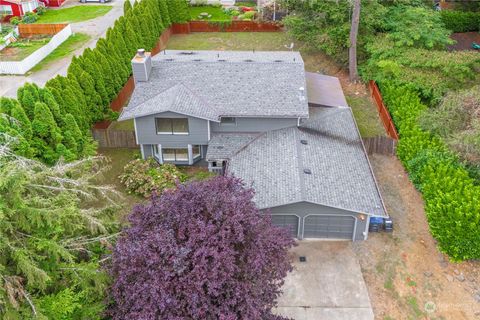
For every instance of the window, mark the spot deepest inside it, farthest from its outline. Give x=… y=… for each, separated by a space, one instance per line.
x=6 y=10
x=29 y=6
x=175 y=154
x=196 y=151
x=172 y=125
x=228 y=121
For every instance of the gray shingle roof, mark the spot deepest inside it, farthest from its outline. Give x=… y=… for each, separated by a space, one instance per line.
x=177 y=98
x=229 y=83
x=222 y=146
x=340 y=176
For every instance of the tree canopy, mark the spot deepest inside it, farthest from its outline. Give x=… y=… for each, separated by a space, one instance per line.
x=201 y=251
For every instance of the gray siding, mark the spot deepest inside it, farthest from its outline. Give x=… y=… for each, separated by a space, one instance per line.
x=254 y=125
x=147 y=132
x=303 y=209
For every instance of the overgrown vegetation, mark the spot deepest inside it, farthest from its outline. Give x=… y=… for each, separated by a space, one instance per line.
x=54 y=237
x=461 y=21
x=143 y=177
x=457 y=121
x=452 y=198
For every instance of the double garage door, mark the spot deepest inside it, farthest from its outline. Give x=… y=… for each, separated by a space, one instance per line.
x=317 y=226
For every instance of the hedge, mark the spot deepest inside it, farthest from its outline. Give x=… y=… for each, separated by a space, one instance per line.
x=452 y=199
x=70 y=105
x=461 y=21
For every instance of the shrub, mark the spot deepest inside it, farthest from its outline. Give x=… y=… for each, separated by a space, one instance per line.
x=452 y=200
x=30 y=17
x=460 y=21
x=41 y=10
x=15 y=21
x=201 y=251
x=457 y=121
x=142 y=177
x=249 y=15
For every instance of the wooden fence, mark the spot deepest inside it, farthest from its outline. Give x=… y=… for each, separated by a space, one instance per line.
x=380 y=145
x=383 y=111
x=107 y=138
x=27 y=30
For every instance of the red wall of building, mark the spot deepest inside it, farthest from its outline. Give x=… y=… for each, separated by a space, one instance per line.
x=16 y=8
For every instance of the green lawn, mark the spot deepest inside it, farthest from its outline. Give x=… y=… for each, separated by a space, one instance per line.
x=365 y=112
x=74 y=42
x=21 y=49
x=216 y=13
x=74 y=14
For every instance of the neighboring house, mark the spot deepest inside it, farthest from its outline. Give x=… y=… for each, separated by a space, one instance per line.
x=17 y=8
x=248 y=114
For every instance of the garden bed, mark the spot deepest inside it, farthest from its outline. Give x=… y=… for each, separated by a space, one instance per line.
x=24 y=47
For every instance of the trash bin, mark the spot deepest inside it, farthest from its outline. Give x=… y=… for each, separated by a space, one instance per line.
x=376 y=224
x=388 y=225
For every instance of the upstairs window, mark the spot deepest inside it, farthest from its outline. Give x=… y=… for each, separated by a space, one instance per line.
x=228 y=121
x=6 y=10
x=172 y=126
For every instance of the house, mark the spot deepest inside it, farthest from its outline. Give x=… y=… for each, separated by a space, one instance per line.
x=17 y=8
x=248 y=114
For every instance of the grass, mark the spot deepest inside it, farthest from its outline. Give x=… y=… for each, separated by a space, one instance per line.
x=216 y=13
x=21 y=49
x=74 y=14
x=126 y=125
x=74 y=42
x=363 y=109
x=366 y=115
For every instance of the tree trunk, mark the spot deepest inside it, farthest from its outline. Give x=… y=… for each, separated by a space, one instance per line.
x=352 y=52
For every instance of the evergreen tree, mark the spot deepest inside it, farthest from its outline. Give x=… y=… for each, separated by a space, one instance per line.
x=94 y=101
x=28 y=97
x=73 y=137
x=127 y=6
x=6 y=105
x=111 y=84
x=164 y=13
x=49 y=99
x=21 y=122
x=131 y=37
x=46 y=134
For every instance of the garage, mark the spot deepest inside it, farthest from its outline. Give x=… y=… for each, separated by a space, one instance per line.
x=289 y=222
x=329 y=227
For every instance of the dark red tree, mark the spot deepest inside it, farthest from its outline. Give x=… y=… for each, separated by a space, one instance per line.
x=202 y=251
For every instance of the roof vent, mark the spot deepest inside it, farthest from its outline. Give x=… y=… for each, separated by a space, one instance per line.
x=307 y=171
x=141 y=53
x=197 y=59
x=187 y=53
x=303 y=141
x=222 y=60
x=248 y=60
x=277 y=60
x=169 y=59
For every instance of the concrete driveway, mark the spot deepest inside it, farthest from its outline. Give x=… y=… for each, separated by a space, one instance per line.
x=329 y=285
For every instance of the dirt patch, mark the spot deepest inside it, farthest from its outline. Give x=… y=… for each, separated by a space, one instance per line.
x=464 y=40
x=406 y=275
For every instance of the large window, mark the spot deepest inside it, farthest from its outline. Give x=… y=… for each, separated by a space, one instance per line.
x=175 y=154
x=29 y=6
x=172 y=125
x=6 y=10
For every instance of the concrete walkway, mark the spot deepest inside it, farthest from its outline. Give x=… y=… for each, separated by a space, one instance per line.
x=95 y=28
x=328 y=286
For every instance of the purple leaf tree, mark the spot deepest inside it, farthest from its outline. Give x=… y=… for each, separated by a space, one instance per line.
x=201 y=251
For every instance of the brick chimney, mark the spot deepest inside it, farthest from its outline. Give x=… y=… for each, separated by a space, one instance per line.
x=141 y=66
